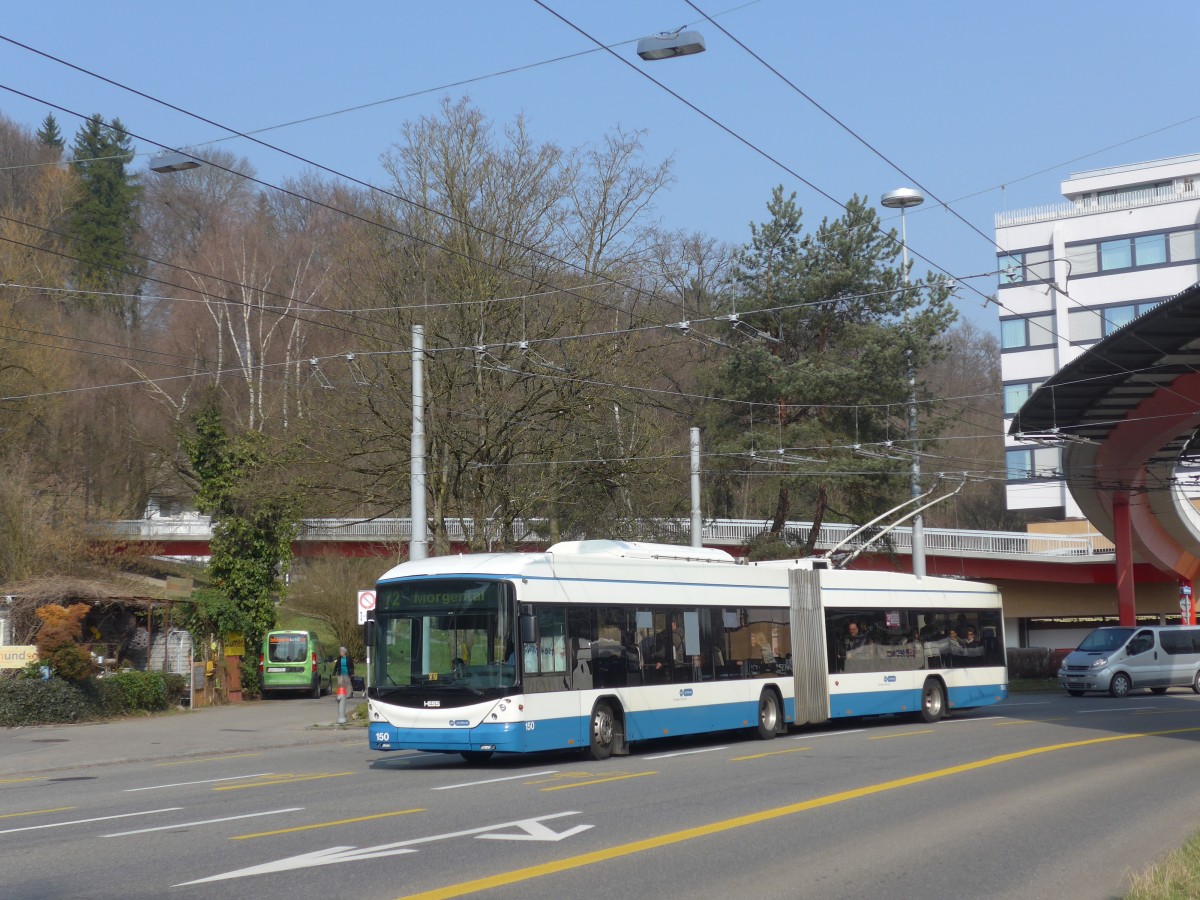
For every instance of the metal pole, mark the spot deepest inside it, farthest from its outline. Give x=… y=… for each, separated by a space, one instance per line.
x=697 y=524
x=918 y=525
x=418 y=543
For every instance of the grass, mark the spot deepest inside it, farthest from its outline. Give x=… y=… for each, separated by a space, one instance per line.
x=1175 y=878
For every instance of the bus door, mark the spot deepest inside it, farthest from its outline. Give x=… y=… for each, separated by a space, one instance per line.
x=809 y=665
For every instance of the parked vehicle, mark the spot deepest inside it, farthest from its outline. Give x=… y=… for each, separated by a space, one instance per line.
x=294 y=662
x=1120 y=658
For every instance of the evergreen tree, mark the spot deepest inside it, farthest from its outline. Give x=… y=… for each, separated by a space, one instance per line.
x=821 y=364
x=103 y=219
x=49 y=134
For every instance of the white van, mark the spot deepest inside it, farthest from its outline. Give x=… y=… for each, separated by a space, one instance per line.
x=1119 y=659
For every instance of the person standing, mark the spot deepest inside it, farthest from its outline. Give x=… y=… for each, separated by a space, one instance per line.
x=343 y=668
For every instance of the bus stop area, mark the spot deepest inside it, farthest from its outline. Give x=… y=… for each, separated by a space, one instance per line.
x=213 y=730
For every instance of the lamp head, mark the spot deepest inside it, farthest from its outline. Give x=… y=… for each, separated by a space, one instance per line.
x=667 y=44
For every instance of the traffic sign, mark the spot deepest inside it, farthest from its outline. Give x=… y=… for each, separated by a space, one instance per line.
x=366 y=599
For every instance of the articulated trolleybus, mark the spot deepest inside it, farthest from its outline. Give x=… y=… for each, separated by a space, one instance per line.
x=595 y=645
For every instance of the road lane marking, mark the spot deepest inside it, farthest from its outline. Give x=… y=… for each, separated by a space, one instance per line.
x=30 y=778
x=1088 y=712
x=769 y=753
x=402 y=812
x=1028 y=703
x=507 y=879
x=563 y=787
x=271 y=812
x=36 y=812
x=1030 y=721
x=290 y=779
x=188 y=762
x=809 y=737
x=685 y=753
x=970 y=720
x=205 y=781
x=888 y=737
x=463 y=784
x=149 y=812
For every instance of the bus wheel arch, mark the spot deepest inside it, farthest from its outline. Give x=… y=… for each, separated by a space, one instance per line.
x=933 y=700
x=606 y=729
x=770 y=713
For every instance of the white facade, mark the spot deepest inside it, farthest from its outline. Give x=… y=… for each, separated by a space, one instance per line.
x=1072 y=273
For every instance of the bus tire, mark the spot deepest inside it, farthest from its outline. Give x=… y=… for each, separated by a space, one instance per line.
x=768 y=715
x=933 y=700
x=1121 y=685
x=602 y=731
x=476 y=756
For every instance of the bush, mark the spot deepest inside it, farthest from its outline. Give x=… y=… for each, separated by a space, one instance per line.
x=32 y=701
x=144 y=691
x=28 y=701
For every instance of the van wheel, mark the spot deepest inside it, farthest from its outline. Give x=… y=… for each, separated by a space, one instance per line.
x=933 y=700
x=1159 y=690
x=1121 y=685
x=316 y=688
x=476 y=756
x=603 y=731
x=768 y=715
x=1196 y=682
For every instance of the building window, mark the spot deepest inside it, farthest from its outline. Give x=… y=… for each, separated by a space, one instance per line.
x=1138 y=252
x=1024 y=266
x=1027 y=464
x=1026 y=331
x=1090 y=325
x=1115 y=255
x=1015 y=395
x=1150 y=250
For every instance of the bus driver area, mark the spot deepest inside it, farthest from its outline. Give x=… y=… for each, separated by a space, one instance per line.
x=595 y=645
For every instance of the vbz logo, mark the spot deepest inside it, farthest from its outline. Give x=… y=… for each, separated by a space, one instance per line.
x=889 y=679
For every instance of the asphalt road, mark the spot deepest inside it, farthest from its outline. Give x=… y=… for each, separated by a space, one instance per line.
x=1043 y=796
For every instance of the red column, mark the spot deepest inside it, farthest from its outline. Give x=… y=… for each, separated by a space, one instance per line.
x=1123 y=543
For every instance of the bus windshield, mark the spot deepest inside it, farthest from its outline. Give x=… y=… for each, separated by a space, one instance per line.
x=445 y=635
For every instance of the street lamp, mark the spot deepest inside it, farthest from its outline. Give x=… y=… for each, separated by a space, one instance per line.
x=167 y=161
x=902 y=199
x=667 y=44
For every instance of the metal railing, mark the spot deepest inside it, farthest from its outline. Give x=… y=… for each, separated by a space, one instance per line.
x=730 y=533
x=1071 y=208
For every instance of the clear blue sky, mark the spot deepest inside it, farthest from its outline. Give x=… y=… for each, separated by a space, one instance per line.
x=965 y=97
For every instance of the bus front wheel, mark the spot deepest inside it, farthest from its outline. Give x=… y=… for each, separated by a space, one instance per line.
x=603 y=732
x=933 y=700
x=768 y=715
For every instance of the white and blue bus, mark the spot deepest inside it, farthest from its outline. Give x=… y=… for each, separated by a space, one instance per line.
x=595 y=645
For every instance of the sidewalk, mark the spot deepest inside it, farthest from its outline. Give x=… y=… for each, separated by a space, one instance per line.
x=240 y=727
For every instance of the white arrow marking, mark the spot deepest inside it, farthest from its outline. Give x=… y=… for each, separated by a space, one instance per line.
x=533 y=828
x=535 y=831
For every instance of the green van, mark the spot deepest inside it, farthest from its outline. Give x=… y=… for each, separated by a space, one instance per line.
x=294 y=662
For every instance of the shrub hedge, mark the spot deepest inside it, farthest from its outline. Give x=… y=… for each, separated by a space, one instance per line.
x=33 y=701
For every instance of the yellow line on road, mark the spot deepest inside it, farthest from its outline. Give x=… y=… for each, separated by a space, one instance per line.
x=402 y=812
x=35 y=812
x=563 y=787
x=688 y=834
x=188 y=762
x=772 y=753
x=293 y=780
x=888 y=737
x=30 y=778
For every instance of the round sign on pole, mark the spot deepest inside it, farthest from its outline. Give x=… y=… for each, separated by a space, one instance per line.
x=366 y=599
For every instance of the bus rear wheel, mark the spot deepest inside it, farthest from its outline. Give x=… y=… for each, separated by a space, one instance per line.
x=602 y=732
x=933 y=700
x=768 y=715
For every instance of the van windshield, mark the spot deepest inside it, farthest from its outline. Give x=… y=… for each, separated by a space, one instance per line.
x=287 y=648
x=1103 y=639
